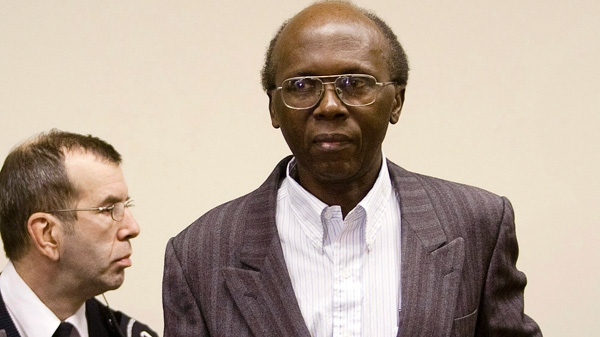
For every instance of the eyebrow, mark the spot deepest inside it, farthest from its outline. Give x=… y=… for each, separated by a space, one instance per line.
x=113 y=199
x=350 y=70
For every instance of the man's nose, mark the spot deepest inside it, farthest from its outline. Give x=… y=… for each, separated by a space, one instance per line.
x=331 y=105
x=129 y=227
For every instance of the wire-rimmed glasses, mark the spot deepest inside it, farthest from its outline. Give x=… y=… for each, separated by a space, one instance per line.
x=305 y=92
x=117 y=210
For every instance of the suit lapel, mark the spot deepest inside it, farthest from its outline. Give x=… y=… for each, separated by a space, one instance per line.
x=262 y=288
x=431 y=266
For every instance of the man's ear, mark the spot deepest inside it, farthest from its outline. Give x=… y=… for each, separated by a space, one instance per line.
x=46 y=234
x=274 y=120
x=398 y=102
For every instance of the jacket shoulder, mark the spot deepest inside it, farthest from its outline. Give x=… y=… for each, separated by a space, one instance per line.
x=461 y=209
x=437 y=187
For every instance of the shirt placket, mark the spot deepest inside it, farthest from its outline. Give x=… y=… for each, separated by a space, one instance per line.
x=347 y=286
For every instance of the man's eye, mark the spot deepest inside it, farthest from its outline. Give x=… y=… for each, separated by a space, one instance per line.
x=300 y=85
x=358 y=82
x=352 y=82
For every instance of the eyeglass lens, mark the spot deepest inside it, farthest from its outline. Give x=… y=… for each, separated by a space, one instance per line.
x=118 y=211
x=353 y=90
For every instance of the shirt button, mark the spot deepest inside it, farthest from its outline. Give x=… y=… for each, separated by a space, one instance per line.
x=346 y=273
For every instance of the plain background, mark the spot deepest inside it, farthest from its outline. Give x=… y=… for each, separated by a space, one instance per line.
x=504 y=95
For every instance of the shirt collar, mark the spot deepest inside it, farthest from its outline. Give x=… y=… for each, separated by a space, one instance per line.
x=79 y=321
x=311 y=210
x=305 y=207
x=375 y=202
x=21 y=303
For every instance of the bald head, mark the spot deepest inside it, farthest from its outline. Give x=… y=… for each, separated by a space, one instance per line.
x=323 y=19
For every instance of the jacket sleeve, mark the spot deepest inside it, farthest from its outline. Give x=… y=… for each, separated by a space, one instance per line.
x=502 y=304
x=182 y=315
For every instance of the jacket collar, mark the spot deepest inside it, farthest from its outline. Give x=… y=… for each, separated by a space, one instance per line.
x=7 y=326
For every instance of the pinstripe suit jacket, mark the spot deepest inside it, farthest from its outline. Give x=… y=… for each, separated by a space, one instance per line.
x=225 y=274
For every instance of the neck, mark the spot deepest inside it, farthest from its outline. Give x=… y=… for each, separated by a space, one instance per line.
x=347 y=197
x=48 y=285
x=346 y=194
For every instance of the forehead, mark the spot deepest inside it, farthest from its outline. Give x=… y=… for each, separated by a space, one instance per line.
x=330 y=39
x=96 y=180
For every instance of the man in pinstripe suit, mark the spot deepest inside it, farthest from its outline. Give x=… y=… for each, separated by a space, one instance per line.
x=340 y=241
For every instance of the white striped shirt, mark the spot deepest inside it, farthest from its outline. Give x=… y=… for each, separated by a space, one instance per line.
x=345 y=272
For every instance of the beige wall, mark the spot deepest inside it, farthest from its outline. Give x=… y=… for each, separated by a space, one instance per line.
x=504 y=95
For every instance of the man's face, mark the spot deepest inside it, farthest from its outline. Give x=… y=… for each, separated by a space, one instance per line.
x=334 y=143
x=97 y=252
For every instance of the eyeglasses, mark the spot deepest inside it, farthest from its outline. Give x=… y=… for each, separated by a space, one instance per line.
x=117 y=210
x=353 y=90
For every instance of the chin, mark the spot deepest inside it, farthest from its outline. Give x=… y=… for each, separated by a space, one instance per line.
x=334 y=172
x=115 y=282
